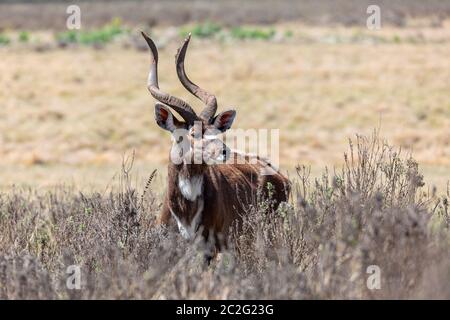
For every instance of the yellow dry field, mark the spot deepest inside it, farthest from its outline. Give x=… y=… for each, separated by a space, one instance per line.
x=70 y=116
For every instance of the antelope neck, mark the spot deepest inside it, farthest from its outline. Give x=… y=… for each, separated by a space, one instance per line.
x=190 y=181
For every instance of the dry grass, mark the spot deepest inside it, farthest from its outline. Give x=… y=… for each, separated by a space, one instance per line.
x=71 y=115
x=371 y=212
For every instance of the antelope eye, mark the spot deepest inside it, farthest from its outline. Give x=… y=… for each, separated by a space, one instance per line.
x=180 y=139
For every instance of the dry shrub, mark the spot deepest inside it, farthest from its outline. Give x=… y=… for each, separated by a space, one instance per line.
x=373 y=211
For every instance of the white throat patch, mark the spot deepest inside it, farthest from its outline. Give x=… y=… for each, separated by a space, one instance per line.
x=192 y=187
x=188 y=230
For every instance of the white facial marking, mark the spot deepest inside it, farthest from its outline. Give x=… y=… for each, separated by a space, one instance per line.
x=188 y=230
x=220 y=158
x=192 y=187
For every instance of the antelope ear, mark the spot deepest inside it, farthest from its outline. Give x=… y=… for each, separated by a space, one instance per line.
x=224 y=120
x=164 y=117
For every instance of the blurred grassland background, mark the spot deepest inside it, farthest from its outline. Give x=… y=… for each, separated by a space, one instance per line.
x=74 y=103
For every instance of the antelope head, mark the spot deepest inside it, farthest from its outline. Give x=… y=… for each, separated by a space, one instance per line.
x=195 y=137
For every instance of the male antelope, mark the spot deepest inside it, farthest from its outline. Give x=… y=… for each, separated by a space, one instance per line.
x=205 y=191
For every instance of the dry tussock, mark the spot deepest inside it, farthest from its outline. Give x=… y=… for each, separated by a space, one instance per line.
x=373 y=211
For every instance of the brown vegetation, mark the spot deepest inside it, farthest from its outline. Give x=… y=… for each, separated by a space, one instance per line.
x=372 y=212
